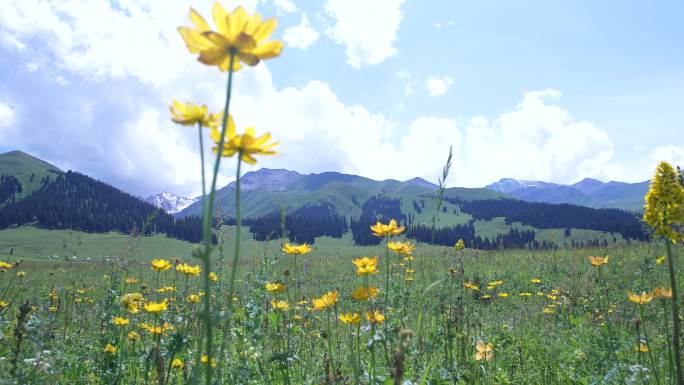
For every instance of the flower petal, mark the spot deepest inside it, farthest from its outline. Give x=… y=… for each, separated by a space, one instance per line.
x=199 y=21
x=194 y=40
x=268 y=50
x=265 y=30
x=219 y=14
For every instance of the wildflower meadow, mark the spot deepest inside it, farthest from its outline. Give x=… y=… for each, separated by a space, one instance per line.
x=401 y=312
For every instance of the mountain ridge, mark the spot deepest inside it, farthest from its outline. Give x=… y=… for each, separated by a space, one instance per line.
x=587 y=192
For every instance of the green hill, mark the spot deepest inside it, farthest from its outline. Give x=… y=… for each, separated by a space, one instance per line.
x=29 y=170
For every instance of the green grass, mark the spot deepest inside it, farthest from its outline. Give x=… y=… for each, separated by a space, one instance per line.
x=34 y=243
x=530 y=347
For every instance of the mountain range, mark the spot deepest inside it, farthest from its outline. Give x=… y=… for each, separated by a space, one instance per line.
x=510 y=212
x=587 y=192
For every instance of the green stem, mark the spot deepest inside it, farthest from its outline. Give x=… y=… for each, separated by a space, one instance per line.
x=675 y=315
x=207 y=226
x=204 y=183
x=238 y=224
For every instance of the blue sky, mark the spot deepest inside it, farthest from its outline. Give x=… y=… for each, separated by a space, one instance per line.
x=527 y=89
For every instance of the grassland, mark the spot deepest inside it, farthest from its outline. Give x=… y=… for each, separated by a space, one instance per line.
x=575 y=328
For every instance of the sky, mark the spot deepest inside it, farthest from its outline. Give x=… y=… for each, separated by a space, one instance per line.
x=527 y=89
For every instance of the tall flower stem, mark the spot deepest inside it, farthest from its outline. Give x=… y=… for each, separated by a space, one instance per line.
x=675 y=315
x=611 y=338
x=387 y=273
x=204 y=183
x=238 y=225
x=668 y=339
x=207 y=225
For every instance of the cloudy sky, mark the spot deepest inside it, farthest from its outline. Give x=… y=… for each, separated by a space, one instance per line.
x=528 y=89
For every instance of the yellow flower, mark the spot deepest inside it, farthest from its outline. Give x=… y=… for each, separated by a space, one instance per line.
x=375 y=317
x=246 y=144
x=304 y=248
x=660 y=260
x=503 y=295
x=132 y=302
x=160 y=264
x=403 y=248
x=205 y=359
x=120 y=321
x=551 y=297
x=525 y=294
x=5 y=266
x=166 y=289
x=110 y=349
x=484 y=351
x=548 y=310
x=664 y=209
x=213 y=277
x=52 y=309
x=193 y=298
x=350 y=318
x=382 y=230
x=326 y=300
x=155 y=307
x=661 y=292
x=3 y=304
x=238 y=34
x=471 y=286
x=459 y=245
x=275 y=287
x=177 y=363
x=642 y=299
x=495 y=283
x=363 y=293
x=365 y=265
x=597 y=261
x=189 y=114
x=536 y=281
x=21 y=274
x=486 y=297
x=133 y=336
x=641 y=348
x=132 y=281
x=189 y=270
x=280 y=305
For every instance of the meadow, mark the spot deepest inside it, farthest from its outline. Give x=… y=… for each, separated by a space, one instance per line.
x=230 y=310
x=551 y=317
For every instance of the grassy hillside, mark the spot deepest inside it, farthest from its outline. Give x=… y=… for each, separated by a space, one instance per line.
x=28 y=169
x=31 y=242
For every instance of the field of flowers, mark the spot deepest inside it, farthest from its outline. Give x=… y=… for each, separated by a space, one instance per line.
x=458 y=317
x=293 y=316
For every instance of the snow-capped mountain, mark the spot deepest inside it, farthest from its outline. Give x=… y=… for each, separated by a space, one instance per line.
x=169 y=202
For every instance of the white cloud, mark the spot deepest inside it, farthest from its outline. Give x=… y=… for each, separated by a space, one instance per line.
x=32 y=66
x=286 y=5
x=438 y=85
x=99 y=41
x=60 y=80
x=300 y=36
x=670 y=153
x=440 y=24
x=6 y=115
x=367 y=29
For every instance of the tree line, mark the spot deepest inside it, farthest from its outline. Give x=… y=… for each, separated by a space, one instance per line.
x=302 y=225
x=79 y=202
x=549 y=216
x=9 y=188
